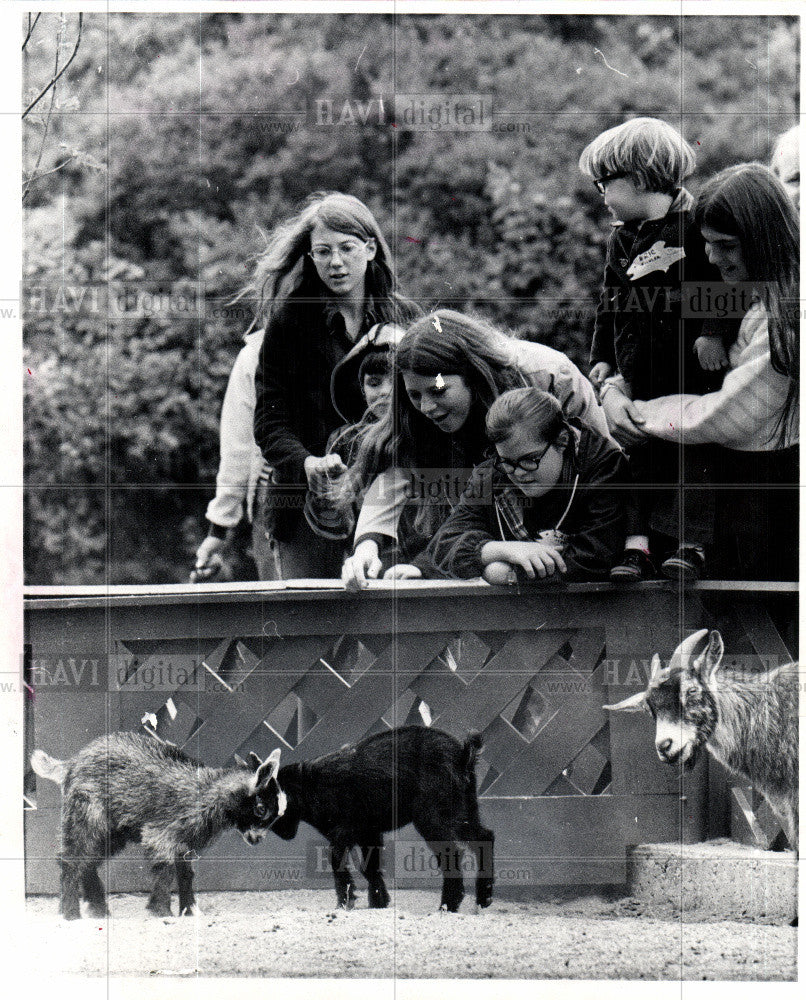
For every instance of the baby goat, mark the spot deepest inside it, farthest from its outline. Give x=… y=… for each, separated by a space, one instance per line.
x=749 y=721
x=124 y=788
x=355 y=795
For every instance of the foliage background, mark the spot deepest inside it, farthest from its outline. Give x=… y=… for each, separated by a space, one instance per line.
x=187 y=136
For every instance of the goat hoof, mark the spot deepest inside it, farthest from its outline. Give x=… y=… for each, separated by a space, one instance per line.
x=378 y=899
x=159 y=911
x=191 y=911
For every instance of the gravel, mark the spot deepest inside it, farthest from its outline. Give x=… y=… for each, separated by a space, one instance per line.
x=298 y=933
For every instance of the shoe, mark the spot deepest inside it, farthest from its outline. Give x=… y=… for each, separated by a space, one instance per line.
x=635 y=565
x=686 y=565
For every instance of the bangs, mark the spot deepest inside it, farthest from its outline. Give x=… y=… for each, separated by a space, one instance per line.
x=648 y=149
x=427 y=360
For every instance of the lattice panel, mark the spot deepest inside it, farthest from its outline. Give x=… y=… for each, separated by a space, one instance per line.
x=536 y=696
x=752 y=819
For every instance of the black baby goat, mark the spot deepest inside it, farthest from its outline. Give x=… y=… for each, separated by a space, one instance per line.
x=355 y=795
x=124 y=788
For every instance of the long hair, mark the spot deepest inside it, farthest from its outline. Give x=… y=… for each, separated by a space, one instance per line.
x=285 y=270
x=444 y=342
x=748 y=202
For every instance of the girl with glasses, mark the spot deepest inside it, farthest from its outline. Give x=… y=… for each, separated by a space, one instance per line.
x=323 y=282
x=549 y=502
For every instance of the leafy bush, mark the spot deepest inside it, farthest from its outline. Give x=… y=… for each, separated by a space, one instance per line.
x=210 y=140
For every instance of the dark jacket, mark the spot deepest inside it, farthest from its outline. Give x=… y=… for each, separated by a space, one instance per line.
x=492 y=509
x=650 y=266
x=324 y=517
x=294 y=412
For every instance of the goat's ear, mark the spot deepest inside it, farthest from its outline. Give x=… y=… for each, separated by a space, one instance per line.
x=635 y=703
x=268 y=769
x=254 y=760
x=709 y=662
x=656 y=672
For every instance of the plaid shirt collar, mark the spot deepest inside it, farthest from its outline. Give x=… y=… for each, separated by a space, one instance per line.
x=508 y=498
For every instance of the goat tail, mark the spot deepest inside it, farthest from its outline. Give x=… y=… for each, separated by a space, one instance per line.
x=48 y=767
x=470 y=751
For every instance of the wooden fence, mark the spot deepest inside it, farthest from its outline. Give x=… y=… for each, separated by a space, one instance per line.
x=224 y=669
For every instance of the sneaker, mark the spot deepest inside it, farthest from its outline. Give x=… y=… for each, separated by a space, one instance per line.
x=686 y=565
x=635 y=565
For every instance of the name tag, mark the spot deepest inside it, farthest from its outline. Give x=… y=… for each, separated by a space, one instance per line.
x=659 y=257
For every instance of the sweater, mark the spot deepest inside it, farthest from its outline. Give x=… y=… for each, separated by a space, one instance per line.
x=586 y=506
x=294 y=412
x=743 y=414
x=241 y=464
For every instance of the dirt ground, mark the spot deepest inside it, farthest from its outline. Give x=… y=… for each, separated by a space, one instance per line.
x=298 y=933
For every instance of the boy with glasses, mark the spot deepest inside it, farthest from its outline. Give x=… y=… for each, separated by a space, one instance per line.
x=642 y=345
x=549 y=502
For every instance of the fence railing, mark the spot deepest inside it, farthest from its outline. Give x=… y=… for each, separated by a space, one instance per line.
x=222 y=669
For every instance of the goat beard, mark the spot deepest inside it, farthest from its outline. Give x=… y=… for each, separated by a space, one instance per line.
x=694 y=754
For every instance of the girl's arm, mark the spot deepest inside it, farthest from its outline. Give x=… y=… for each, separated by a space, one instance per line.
x=273 y=429
x=382 y=506
x=742 y=414
x=376 y=528
x=599 y=522
x=237 y=443
x=456 y=548
x=332 y=513
x=604 y=325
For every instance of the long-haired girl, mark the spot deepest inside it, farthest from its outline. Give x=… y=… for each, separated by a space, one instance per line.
x=751 y=231
x=322 y=282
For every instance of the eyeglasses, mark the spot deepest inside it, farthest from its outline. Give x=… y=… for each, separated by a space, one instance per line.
x=526 y=463
x=600 y=183
x=346 y=250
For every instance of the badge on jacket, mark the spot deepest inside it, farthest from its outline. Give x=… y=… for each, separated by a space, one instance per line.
x=659 y=257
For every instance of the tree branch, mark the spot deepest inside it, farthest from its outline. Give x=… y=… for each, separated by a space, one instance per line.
x=60 y=74
x=30 y=29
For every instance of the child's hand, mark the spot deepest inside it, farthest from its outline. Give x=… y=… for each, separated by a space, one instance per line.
x=535 y=558
x=209 y=563
x=320 y=472
x=403 y=571
x=600 y=371
x=711 y=353
x=500 y=573
x=361 y=566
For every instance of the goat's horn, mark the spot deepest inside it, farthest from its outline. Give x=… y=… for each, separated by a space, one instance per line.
x=686 y=648
x=635 y=703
